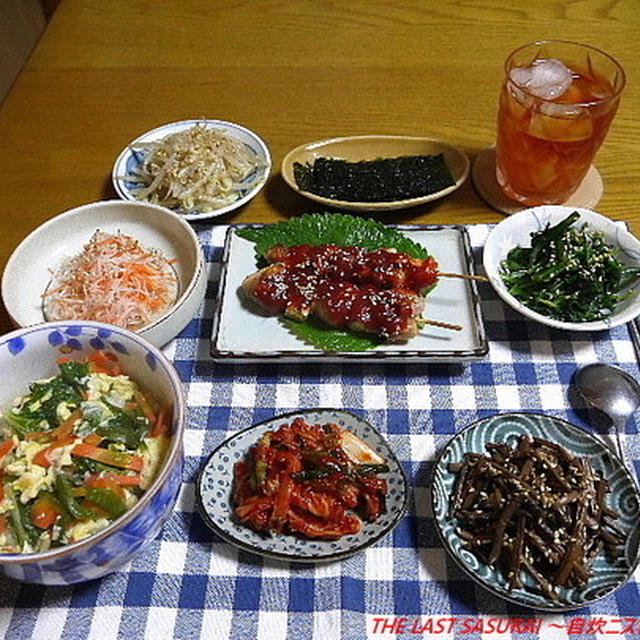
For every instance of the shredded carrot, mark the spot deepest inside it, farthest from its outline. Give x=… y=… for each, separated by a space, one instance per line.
x=163 y=422
x=114 y=280
x=113 y=458
x=125 y=481
x=43 y=459
x=98 y=481
x=113 y=481
x=105 y=362
x=145 y=406
x=65 y=429
x=6 y=448
x=94 y=439
x=96 y=508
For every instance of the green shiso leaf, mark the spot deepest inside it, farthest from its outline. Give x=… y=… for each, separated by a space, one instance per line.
x=330 y=228
x=330 y=339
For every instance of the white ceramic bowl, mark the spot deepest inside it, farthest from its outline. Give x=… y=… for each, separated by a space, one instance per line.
x=28 y=271
x=515 y=231
x=31 y=354
x=130 y=159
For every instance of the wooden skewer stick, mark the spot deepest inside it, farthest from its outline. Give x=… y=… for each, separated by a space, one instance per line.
x=436 y=323
x=463 y=275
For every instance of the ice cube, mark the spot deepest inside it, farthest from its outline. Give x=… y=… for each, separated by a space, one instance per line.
x=562 y=110
x=547 y=79
x=521 y=76
x=560 y=129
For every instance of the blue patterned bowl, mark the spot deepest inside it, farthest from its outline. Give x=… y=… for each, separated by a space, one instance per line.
x=30 y=354
x=624 y=498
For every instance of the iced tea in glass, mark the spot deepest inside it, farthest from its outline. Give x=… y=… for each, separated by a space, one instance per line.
x=556 y=105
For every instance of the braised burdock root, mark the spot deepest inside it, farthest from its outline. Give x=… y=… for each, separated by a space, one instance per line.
x=535 y=509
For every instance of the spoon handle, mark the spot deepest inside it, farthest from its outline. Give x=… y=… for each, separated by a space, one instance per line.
x=618 y=428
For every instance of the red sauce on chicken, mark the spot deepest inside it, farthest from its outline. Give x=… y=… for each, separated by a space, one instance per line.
x=386 y=312
x=280 y=288
x=378 y=292
x=382 y=268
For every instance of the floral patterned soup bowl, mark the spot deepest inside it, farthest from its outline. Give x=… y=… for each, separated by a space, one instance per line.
x=31 y=354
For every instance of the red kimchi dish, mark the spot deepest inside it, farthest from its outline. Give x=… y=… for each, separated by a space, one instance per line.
x=311 y=480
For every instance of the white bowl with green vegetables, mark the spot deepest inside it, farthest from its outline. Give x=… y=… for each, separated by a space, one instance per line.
x=566 y=267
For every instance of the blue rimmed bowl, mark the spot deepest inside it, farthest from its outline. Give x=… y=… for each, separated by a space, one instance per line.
x=31 y=354
x=623 y=498
x=132 y=158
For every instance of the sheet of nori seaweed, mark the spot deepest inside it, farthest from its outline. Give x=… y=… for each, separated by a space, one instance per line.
x=383 y=180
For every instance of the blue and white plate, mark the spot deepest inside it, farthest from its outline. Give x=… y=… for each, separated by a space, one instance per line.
x=215 y=485
x=624 y=498
x=130 y=159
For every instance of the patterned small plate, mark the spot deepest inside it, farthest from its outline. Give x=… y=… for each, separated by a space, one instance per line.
x=215 y=484
x=131 y=158
x=624 y=498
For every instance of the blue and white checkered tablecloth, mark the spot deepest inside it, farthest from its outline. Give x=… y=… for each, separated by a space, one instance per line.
x=190 y=584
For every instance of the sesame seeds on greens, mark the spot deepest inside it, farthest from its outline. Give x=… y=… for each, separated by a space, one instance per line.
x=568 y=273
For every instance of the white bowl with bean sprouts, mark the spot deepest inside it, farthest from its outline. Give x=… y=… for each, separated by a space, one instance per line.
x=197 y=168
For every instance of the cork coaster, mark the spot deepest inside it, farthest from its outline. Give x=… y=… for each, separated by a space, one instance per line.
x=483 y=174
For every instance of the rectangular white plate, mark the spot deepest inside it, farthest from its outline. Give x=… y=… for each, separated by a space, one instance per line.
x=241 y=333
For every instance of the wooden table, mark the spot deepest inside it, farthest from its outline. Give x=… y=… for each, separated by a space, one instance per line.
x=105 y=71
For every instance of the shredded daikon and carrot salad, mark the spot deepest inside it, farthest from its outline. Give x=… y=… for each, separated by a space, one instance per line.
x=114 y=280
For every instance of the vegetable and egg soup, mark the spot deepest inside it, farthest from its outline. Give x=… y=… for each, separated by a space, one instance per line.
x=79 y=450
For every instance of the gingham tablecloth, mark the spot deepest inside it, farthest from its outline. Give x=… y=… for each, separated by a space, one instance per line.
x=190 y=584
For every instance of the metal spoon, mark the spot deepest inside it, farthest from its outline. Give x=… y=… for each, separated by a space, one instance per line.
x=613 y=392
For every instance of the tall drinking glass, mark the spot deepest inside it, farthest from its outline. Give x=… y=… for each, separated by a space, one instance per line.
x=556 y=105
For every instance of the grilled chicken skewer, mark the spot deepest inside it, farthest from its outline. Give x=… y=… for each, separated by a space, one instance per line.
x=384 y=268
x=393 y=314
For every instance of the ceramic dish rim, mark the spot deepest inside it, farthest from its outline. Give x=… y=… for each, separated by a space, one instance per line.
x=493 y=273
x=277 y=555
x=180 y=301
x=125 y=194
x=380 y=205
x=174 y=454
x=490 y=588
